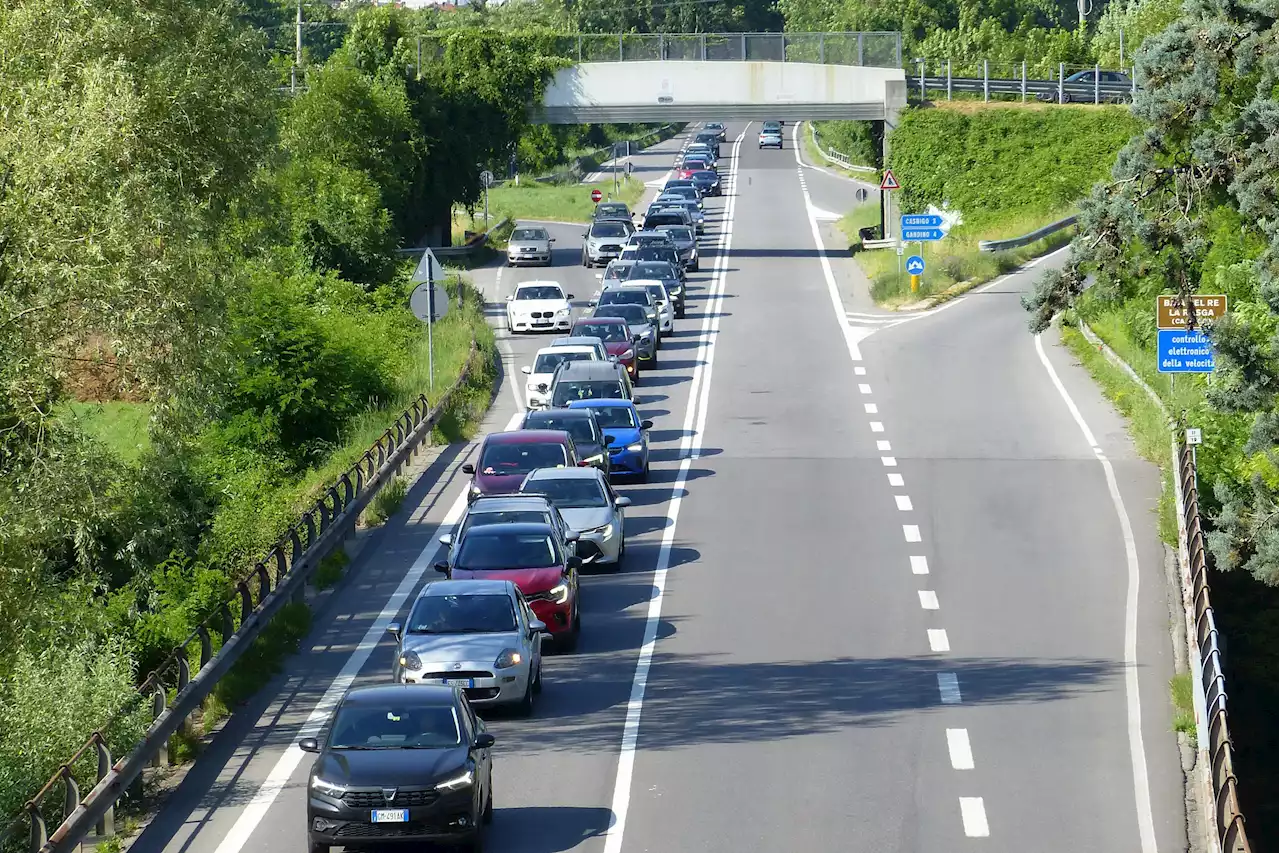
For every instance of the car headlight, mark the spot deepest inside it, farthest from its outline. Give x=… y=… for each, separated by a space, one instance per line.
x=329 y=789
x=605 y=531
x=463 y=780
x=508 y=659
x=474 y=490
x=636 y=448
x=559 y=593
x=628 y=354
x=563 y=312
x=410 y=660
x=533 y=386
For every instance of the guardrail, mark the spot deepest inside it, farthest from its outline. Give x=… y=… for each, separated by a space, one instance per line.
x=279 y=577
x=1096 y=90
x=837 y=157
x=468 y=248
x=1026 y=239
x=1213 y=740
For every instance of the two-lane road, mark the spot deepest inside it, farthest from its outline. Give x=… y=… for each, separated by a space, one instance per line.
x=878 y=595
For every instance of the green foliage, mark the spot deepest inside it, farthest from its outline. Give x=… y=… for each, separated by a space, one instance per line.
x=386 y=502
x=120 y=425
x=860 y=141
x=557 y=202
x=264 y=658
x=331 y=569
x=1184 y=713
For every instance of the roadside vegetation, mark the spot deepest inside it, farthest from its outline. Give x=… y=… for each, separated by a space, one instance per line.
x=558 y=202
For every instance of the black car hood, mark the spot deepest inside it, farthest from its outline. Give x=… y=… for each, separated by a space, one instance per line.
x=372 y=768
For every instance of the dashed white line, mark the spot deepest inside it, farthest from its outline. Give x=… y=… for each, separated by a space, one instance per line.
x=896 y=480
x=888 y=461
x=903 y=502
x=876 y=426
x=949 y=688
x=974 y=816
x=911 y=532
x=958 y=746
x=883 y=445
x=919 y=566
x=863 y=388
x=928 y=599
x=860 y=371
x=869 y=408
x=938 y=641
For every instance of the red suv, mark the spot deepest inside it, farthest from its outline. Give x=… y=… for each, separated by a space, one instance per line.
x=617 y=339
x=507 y=457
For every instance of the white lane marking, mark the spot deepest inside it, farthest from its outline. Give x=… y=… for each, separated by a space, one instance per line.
x=1133 y=700
x=876 y=426
x=863 y=388
x=974 y=816
x=903 y=502
x=510 y=357
x=896 y=480
x=870 y=408
x=938 y=641
x=691 y=441
x=928 y=599
x=911 y=532
x=278 y=777
x=860 y=371
x=883 y=445
x=851 y=334
x=958 y=746
x=949 y=688
x=888 y=461
x=919 y=566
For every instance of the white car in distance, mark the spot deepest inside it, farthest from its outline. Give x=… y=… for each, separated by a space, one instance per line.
x=539 y=306
x=538 y=386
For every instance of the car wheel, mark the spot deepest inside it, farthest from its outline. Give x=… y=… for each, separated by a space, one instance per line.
x=525 y=707
x=317 y=847
x=693 y=267
x=653 y=362
x=622 y=554
x=644 y=473
x=585 y=262
x=537 y=681
x=486 y=816
x=476 y=844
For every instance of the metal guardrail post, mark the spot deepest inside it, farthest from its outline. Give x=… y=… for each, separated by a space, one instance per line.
x=860 y=51
x=662 y=46
x=107 y=823
x=897 y=49
x=1097 y=77
x=1024 y=81
x=579 y=47
x=1133 y=82
x=744 y=47
x=822 y=48
x=986 y=82
x=948 y=79
x=1061 y=76
x=703 y=40
x=621 y=56
x=922 y=94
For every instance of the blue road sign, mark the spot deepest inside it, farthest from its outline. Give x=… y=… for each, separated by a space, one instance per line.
x=1183 y=351
x=921 y=220
x=920 y=235
x=915 y=265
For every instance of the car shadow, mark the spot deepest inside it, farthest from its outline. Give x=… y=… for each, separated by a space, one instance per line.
x=543 y=829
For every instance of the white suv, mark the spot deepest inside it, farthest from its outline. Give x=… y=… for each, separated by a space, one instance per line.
x=538 y=386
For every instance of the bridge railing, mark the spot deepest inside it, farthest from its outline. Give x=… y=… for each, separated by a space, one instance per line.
x=878 y=49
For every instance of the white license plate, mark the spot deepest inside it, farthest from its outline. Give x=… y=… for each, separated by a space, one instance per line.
x=389 y=816
x=459 y=682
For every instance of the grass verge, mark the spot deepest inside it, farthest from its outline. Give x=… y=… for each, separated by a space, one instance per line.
x=386 y=502
x=1184 y=713
x=816 y=157
x=121 y=426
x=557 y=202
x=331 y=569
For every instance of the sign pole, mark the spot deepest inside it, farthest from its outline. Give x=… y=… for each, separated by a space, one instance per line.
x=431 y=312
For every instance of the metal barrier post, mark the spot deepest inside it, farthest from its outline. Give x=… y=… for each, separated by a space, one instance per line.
x=1061 y=75
x=1097 y=76
x=1133 y=82
x=703 y=40
x=986 y=82
x=860 y=50
x=744 y=47
x=822 y=48
x=948 y=79
x=922 y=97
x=620 y=55
x=1024 y=81
x=897 y=47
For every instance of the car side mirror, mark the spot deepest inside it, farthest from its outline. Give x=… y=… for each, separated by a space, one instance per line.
x=309 y=744
x=468 y=468
x=447 y=540
x=573 y=563
x=609 y=439
x=442 y=567
x=537 y=626
x=552 y=240
x=622 y=502
x=512 y=296
x=646 y=425
x=394 y=629
x=569 y=296
x=526 y=370
x=613 y=359
x=571 y=537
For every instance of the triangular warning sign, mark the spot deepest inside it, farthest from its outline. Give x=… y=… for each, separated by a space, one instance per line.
x=890 y=182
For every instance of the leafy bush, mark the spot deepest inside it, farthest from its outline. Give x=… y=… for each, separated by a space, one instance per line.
x=386 y=502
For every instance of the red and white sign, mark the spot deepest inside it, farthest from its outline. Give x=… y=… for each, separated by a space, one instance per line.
x=890 y=182
x=596 y=195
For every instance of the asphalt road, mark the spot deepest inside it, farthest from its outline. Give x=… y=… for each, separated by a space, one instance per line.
x=876 y=593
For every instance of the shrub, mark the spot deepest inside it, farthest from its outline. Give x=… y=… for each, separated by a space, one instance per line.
x=386 y=502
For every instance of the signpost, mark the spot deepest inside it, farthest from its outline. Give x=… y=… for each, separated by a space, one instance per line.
x=915 y=269
x=596 y=195
x=887 y=183
x=429 y=302
x=486 y=181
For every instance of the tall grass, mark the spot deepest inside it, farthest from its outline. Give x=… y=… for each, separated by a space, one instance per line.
x=120 y=425
x=558 y=202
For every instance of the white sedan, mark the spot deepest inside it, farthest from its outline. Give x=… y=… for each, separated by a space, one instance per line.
x=544 y=367
x=539 y=306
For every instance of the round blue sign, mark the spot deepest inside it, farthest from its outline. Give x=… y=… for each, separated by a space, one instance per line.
x=915 y=265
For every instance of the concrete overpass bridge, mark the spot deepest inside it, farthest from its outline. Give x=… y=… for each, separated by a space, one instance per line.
x=726 y=76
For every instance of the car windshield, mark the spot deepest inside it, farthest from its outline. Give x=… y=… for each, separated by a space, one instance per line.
x=579 y=428
x=611 y=332
x=504 y=516
x=396 y=727
x=570 y=493
x=548 y=361
x=663 y=219
x=462 y=614
x=614 y=417
x=656 y=253
x=650 y=239
x=611 y=208
x=489 y=550
x=652 y=269
x=506 y=459
x=616 y=271
x=528 y=234
x=682 y=233
x=657 y=291
x=635 y=315
x=624 y=296
x=608 y=229
x=540 y=291
x=608 y=389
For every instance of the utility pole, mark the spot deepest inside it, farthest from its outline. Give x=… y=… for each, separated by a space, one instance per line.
x=297 y=45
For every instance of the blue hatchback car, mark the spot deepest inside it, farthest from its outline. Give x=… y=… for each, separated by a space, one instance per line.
x=629 y=439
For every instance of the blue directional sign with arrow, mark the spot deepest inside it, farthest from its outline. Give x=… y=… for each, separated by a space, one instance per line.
x=921 y=220
x=922 y=235
x=915 y=265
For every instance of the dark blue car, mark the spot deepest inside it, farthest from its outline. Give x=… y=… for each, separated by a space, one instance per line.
x=627 y=435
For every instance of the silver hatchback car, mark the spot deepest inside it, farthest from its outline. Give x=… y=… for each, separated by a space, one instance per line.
x=529 y=245
x=479 y=635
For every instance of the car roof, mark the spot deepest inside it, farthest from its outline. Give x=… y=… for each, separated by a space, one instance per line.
x=538 y=283
x=504 y=503
x=485 y=586
x=598 y=403
x=587 y=370
x=510 y=527
x=572 y=341
x=597 y=321
x=417 y=695
x=588 y=473
x=557 y=413
x=533 y=436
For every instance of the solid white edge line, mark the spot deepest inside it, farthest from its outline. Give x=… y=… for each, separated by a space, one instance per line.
x=974 y=816
x=706 y=352
x=959 y=748
x=1133 y=701
x=949 y=688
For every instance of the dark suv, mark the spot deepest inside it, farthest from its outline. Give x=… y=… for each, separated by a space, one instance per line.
x=590 y=380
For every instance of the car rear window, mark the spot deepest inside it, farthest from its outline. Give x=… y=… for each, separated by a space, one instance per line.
x=595 y=389
x=663 y=219
x=608 y=229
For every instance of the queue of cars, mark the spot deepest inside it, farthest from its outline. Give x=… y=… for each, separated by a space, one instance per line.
x=411 y=761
